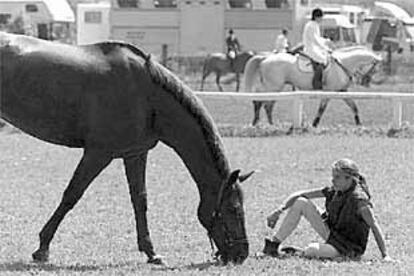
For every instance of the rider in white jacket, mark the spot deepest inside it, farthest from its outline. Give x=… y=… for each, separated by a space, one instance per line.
x=315 y=46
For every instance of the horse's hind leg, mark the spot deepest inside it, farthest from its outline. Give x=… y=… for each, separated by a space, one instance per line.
x=256 y=107
x=351 y=103
x=322 y=107
x=203 y=78
x=135 y=170
x=268 y=106
x=218 y=82
x=237 y=82
x=91 y=164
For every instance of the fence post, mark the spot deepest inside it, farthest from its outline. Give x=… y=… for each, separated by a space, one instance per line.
x=397 y=113
x=297 y=112
x=164 y=54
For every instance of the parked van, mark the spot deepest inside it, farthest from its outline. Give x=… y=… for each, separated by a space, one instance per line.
x=337 y=28
x=389 y=22
x=46 y=19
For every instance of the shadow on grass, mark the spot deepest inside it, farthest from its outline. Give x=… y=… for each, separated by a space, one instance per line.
x=21 y=266
x=194 y=266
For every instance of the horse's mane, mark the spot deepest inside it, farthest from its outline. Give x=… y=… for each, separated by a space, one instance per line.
x=346 y=52
x=351 y=48
x=184 y=96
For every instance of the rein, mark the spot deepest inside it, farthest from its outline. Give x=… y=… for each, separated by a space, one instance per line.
x=350 y=74
x=215 y=217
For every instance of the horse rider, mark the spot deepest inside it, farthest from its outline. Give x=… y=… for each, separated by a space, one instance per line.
x=316 y=47
x=282 y=42
x=233 y=46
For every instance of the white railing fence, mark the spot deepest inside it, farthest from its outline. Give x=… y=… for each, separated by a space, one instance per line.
x=299 y=97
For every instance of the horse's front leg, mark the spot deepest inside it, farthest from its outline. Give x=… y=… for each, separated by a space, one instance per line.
x=135 y=166
x=351 y=103
x=237 y=82
x=268 y=106
x=91 y=164
x=322 y=107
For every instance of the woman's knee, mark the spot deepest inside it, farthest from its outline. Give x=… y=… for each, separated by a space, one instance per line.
x=301 y=203
x=320 y=250
x=311 y=250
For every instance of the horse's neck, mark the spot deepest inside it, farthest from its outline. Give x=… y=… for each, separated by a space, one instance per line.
x=337 y=76
x=352 y=60
x=185 y=126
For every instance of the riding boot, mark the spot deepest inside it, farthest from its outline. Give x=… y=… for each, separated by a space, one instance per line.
x=271 y=248
x=317 y=77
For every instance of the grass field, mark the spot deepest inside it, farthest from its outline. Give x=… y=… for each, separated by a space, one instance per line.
x=98 y=236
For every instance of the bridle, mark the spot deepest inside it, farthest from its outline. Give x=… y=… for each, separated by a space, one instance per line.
x=357 y=74
x=216 y=217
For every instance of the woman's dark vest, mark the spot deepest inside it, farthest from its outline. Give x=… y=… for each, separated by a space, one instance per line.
x=348 y=230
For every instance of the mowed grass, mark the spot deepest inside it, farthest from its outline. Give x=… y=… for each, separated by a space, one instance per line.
x=373 y=113
x=98 y=237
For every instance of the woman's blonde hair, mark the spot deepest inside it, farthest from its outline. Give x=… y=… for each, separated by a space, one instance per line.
x=349 y=167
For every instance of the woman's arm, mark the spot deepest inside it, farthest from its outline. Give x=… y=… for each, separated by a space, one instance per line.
x=313 y=193
x=318 y=39
x=274 y=216
x=368 y=216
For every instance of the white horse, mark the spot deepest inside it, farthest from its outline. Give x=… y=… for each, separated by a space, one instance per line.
x=270 y=73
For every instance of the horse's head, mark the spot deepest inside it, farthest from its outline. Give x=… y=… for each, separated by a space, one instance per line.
x=360 y=63
x=226 y=223
x=368 y=69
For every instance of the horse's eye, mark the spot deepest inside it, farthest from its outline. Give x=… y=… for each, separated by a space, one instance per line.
x=233 y=208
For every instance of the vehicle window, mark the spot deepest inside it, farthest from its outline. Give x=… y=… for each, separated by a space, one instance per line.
x=276 y=3
x=128 y=3
x=93 y=17
x=240 y=3
x=31 y=8
x=165 y=3
x=349 y=34
x=4 y=18
x=331 y=32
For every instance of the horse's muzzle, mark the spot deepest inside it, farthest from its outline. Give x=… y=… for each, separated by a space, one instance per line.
x=239 y=252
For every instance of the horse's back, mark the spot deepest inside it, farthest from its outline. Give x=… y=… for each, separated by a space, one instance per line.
x=273 y=71
x=61 y=93
x=278 y=64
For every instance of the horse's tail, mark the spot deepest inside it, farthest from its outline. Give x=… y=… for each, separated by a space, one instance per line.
x=251 y=73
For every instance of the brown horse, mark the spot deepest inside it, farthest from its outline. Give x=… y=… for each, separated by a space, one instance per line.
x=113 y=101
x=220 y=64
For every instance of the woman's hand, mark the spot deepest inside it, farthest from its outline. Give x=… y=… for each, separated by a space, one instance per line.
x=388 y=259
x=273 y=218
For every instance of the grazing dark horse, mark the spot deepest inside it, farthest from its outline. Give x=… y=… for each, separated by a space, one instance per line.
x=113 y=101
x=220 y=64
x=270 y=74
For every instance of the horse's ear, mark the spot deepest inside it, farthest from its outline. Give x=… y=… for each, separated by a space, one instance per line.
x=244 y=177
x=233 y=177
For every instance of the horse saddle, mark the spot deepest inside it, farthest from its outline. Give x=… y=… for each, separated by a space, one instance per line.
x=304 y=64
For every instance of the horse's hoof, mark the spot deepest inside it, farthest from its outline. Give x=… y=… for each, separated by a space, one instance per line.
x=157 y=260
x=41 y=256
